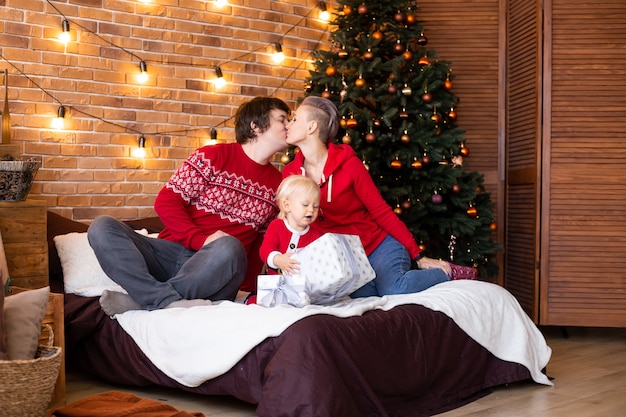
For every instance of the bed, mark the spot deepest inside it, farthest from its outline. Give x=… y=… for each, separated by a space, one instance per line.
x=410 y=356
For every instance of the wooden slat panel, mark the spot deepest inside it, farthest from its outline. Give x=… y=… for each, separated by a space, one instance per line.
x=587 y=238
x=522 y=141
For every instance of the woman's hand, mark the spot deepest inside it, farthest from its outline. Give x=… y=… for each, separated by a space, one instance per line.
x=429 y=263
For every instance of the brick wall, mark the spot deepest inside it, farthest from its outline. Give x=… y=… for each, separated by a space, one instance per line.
x=88 y=167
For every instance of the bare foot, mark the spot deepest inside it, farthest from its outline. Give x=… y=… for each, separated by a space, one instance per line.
x=113 y=302
x=189 y=303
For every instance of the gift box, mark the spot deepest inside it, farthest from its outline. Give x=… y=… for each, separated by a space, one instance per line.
x=335 y=265
x=273 y=290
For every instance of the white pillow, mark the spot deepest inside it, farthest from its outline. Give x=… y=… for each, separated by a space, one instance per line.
x=81 y=269
x=82 y=274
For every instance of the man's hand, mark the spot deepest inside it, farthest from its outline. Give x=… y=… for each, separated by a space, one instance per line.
x=214 y=236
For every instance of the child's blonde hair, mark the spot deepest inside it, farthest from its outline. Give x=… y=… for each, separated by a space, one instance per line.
x=295 y=183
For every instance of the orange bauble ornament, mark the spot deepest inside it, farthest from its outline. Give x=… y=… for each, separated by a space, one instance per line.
x=396 y=163
x=464 y=151
x=347 y=10
x=352 y=123
x=346 y=139
x=472 y=212
x=405 y=138
x=331 y=71
x=326 y=94
x=416 y=164
x=447 y=84
x=370 y=137
x=285 y=159
x=424 y=61
x=360 y=82
x=397 y=210
x=410 y=19
x=408 y=55
x=378 y=35
x=493 y=226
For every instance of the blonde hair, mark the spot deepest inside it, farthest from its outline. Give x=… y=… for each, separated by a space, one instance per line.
x=292 y=184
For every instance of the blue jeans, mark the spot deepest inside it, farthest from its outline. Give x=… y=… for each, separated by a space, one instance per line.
x=392 y=264
x=157 y=272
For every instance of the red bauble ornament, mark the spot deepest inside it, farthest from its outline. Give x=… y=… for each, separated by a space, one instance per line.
x=362 y=9
x=370 y=137
x=392 y=89
x=472 y=212
x=456 y=188
x=346 y=139
x=404 y=114
x=331 y=71
x=424 y=61
x=398 y=48
x=406 y=205
x=426 y=159
x=427 y=97
x=378 y=35
x=326 y=94
x=399 y=17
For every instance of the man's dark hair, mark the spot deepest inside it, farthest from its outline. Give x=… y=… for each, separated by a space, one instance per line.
x=256 y=111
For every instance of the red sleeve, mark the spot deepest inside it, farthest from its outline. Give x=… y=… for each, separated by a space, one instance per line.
x=179 y=227
x=271 y=240
x=381 y=212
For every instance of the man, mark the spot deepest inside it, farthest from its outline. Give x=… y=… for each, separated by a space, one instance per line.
x=213 y=208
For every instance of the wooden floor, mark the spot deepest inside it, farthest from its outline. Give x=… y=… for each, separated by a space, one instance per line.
x=588 y=367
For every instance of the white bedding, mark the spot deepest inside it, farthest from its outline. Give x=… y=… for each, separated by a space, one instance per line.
x=196 y=344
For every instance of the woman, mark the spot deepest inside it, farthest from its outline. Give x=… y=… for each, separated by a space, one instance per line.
x=351 y=204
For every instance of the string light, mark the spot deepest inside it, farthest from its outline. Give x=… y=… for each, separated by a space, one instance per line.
x=279 y=56
x=143 y=74
x=324 y=14
x=140 y=150
x=65 y=35
x=213 y=140
x=219 y=81
x=58 y=122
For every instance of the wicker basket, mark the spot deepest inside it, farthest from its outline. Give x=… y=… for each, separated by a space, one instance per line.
x=26 y=385
x=16 y=178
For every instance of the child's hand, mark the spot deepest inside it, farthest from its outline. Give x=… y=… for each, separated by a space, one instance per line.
x=286 y=264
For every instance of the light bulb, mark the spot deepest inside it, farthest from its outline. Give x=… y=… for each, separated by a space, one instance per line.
x=140 y=150
x=143 y=75
x=324 y=14
x=58 y=122
x=219 y=81
x=279 y=56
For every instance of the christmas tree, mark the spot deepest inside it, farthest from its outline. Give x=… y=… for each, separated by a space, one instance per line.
x=399 y=114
